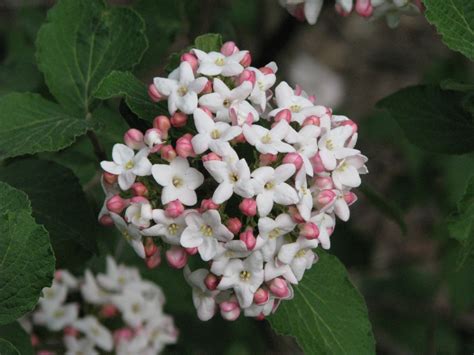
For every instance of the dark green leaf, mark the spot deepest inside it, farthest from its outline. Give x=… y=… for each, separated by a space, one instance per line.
x=16 y=335
x=30 y=124
x=59 y=204
x=81 y=43
x=327 y=315
x=454 y=85
x=432 y=119
x=7 y=348
x=209 y=42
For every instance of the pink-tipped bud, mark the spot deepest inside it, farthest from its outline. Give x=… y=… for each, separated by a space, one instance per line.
x=208 y=204
x=139 y=189
x=234 y=225
x=70 y=331
x=184 y=147
x=108 y=311
x=318 y=166
x=174 y=209
x=325 y=198
x=34 y=340
x=207 y=88
x=229 y=48
x=154 y=94
x=364 y=8
x=312 y=120
x=109 y=178
x=207 y=111
x=153 y=139
x=248 y=207
x=295 y=159
x=150 y=247
x=163 y=124
x=266 y=70
x=295 y=215
x=248 y=238
x=134 y=139
x=179 y=119
x=45 y=352
x=210 y=157
x=351 y=124
x=267 y=159
x=106 y=220
x=154 y=260
x=177 y=257
x=247 y=75
x=323 y=183
x=309 y=230
x=261 y=316
x=350 y=198
x=168 y=153
x=283 y=115
x=191 y=59
x=246 y=60
x=279 y=287
x=211 y=281
x=341 y=11
x=261 y=296
x=123 y=335
x=298 y=12
x=312 y=98
x=241 y=138
x=116 y=204
x=230 y=310
x=139 y=199
x=191 y=251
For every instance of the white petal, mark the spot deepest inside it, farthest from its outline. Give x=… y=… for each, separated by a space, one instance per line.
x=202 y=121
x=163 y=174
x=285 y=194
x=191 y=238
x=193 y=178
x=265 y=203
x=200 y=142
x=222 y=193
x=126 y=180
x=111 y=167
x=121 y=154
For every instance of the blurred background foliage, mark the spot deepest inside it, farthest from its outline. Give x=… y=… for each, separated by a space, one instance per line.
x=420 y=297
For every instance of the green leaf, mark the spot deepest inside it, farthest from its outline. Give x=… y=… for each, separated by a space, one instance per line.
x=388 y=208
x=27 y=263
x=17 y=336
x=81 y=43
x=209 y=42
x=7 y=348
x=30 y=124
x=59 y=204
x=454 y=20
x=432 y=119
x=135 y=92
x=327 y=315
x=450 y=84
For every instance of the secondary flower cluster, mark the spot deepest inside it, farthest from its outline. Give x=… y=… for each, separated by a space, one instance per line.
x=248 y=181
x=115 y=312
x=391 y=9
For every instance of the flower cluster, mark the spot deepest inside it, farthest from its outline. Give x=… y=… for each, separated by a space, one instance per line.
x=391 y=9
x=247 y=180
x=113 y=312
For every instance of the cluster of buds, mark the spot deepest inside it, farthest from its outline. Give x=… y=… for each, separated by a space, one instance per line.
x=246 y=179
x=115 y=312
x=391 y=9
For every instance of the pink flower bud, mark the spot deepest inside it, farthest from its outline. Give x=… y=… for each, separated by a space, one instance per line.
x=191 y=59
x=210 y=157
x=312 y=98
x=208 y=204
x=279 y=287
x=261 y=316
x=340 y=10
x=106 y=220
x=206 y=111
x=248 y=238
x=364 y=8
x=351 y=124
x=350 y=198
x=168 y=153
x=247 y=75
x=207 y=88
x=163 y=124
x=139 y=199
x=246 y=60
x=139 y=189
x=154 y=260
x=150 y=247
x=293 y=158
x=317 y=163
x=266 y=70
x=211 y=281
x=34 y=340
x=174 y=209
x=295 y=215
x=229 y=48
x=45 y=352
x=108 y=311
x=134 y=139
x=298 y=90
x=312 y=120
x=154 y=94
x=323 y=182
x=230 y=310
x=109 y=178
x=179 y=119
x=191 y=251
x=248 y=207
x=325 y=198
x=177 y=257
x=116 y=204
x=184 y=147
x=234 y=225
x=261 y=296
x=309 y=230
x=123 y=334
x=267 y=159
x=71 y=331
x=284 y=115
x=298 y=13
x=241 y=138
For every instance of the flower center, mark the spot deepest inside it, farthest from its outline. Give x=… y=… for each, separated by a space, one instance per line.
x=173 y=229
x=183 y=90
x=267 y=138
x=229 y=253
x=127 y=235
x=177 y=182
x=261 y=85
x=295 y=108
x=136 y=308
x=220 y=61
x=58 y=313
x=245 y=275
x=49 y=293
x=215 y=134
x=269 y=185
x=95 y=331
x=301 y=253
x=121 y=280
x=226 y=103
x=233 y=177
x=329 y=144
x=206 y=230
x=275 y=233
x=130 y=164
x=343 y=167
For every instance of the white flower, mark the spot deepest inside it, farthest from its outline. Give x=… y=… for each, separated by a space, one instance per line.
x=56 y=317
x=91 y=291
x=139 y=214
x=232 y=177
x=203 y=298
x=118 y=277
x=244 y=277
x=211 y=134
x=222 y=98
x=306 y=144
x=181 y=88
x=127 y=165
x=75 y=346
x=270 y=187
x=270 y=232
x=134 y=308
x=95 y=332
x=274 y=268
x=54 y=295
x=265 y=309
x=160 y=331
x=288 y=251
x=263 y=83
x=326 y=224
x=346 y=174
x=303 y=260
x=169 y=229
x=311 y=8
x=178 y=180
x=268 y=141
x=204 y=231
x=305 y=204
x=215 y=63
x=332 y=146
x=130 y=233
x=224 y=255
x=243 y=113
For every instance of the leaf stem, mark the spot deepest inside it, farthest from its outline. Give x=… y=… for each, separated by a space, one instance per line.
x=98 y=149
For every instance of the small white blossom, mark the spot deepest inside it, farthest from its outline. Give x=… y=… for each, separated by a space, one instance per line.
x=169 y=229
x=305 y=204
x=139 y=214
x=332 y=146
x=346 y=174
x=268 y=141
x=215 y=63
x=131 y=234
x=203 y=298
x=95 y=332
x=288 y=251
x=75 y=346
x=271 y=232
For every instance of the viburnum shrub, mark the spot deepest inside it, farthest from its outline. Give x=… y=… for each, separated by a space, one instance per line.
x=116 y=311
x=245 y=175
